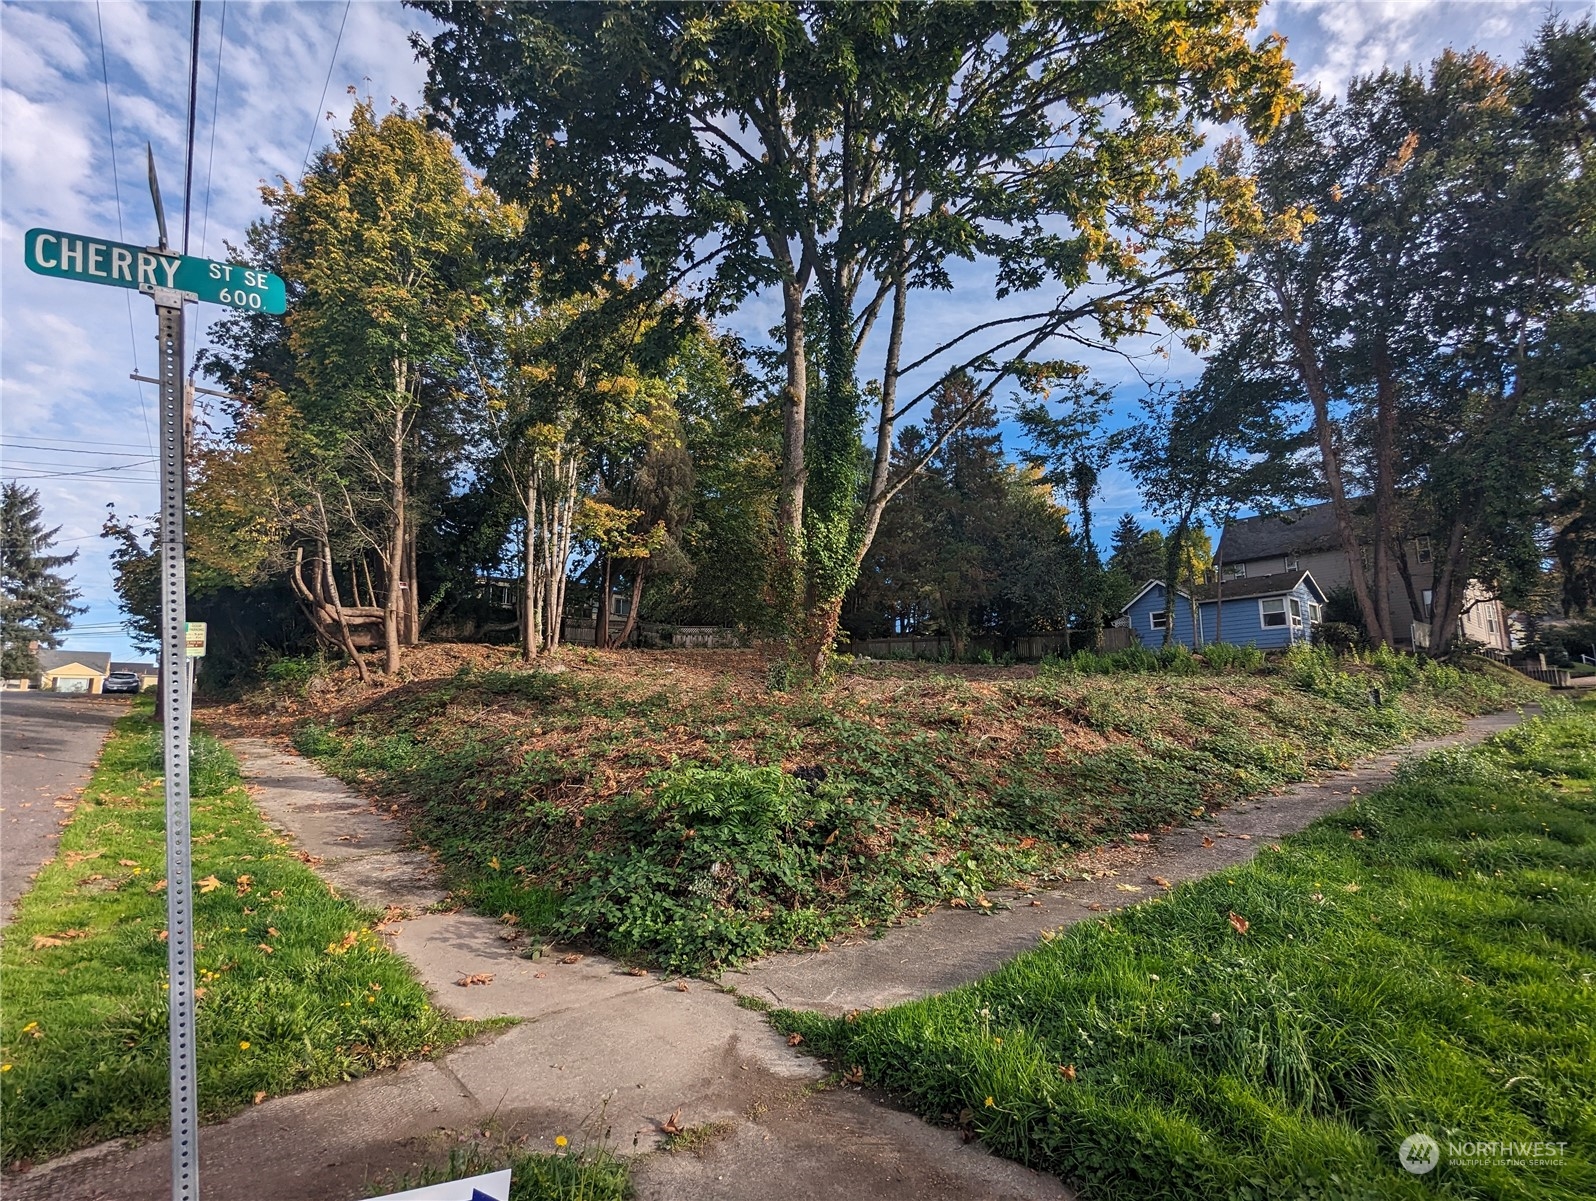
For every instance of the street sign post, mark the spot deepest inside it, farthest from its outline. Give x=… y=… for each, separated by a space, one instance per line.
x=118 y=265
x=171 y=280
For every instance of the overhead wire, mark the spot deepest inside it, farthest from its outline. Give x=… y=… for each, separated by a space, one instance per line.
x=210 y=157
x=315 y=120
x=193 y=107
x=121 y=233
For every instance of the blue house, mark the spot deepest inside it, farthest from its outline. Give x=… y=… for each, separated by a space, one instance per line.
x=1266 y=611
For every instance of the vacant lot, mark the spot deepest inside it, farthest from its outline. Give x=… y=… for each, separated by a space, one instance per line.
x=1423 y=962
x=294 y=989
x=676 y=808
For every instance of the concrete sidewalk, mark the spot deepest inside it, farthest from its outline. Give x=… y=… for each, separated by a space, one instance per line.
x=604 y=1054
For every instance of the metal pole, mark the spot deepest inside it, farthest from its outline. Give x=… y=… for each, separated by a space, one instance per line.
x=175 y=719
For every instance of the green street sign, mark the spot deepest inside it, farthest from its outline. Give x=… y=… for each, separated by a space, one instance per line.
x=96 y=261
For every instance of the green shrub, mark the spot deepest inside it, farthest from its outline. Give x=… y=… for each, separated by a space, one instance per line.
x=1226 y=656
x=715 y=866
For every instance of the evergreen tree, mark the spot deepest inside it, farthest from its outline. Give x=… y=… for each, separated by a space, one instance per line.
x=35 y=600
x=1137 y=554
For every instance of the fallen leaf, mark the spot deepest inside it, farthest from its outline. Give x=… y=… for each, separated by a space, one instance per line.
x=1160 y=881
x=1141 y=838
x=128 y=862
x=161 y=936
x=1351 y=887
x=958 y=903
x=854 y=1075
x=1243 y=837
x=1036 y=904
x=794 y=1039
x=681 y=986
x=474 y=978
x=1207 y=842
x=1128 y=887
x=158 y=886
x=983 y=902
x=539 y=975
x=263 y=947
x=243 y=885
x=1067 y=1070
x=509 y=919
x=271 y=931
x=40 y=941
x=1276 y=847
x=1095 y=907
x=672 y=1124
x=275 y=894
x=637 y=971
x=573 y=957
x=1356 y=833
x=260 y=1096
x=1026 y=844
x=1239 y=923
x=209 y=884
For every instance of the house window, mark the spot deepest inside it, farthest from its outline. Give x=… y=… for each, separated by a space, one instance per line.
x=1296 y=613
x=1272 y=611
x=620 y=606
x=1490 y=624
x=1424 y=551
x=1292 y=562
x=1429 y=606
x=1315 y=614
x=1157 y=619
x=1235 y=571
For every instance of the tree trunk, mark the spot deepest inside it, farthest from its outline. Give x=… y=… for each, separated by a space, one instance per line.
x=601 y=620
x=393 y=605
x=788 y=580
x=412 y=590
x=632 y=612
x=1385 y=404
x=1308 y=371
x=1447 y=598
x=338 y=611
x=531 y=600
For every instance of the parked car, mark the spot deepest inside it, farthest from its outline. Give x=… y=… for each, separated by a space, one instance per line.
x=122 y=681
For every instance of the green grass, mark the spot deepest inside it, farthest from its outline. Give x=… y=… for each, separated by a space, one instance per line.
x=664 y=820
x=298 y=992
x=571 y=1174
x=1423 y=961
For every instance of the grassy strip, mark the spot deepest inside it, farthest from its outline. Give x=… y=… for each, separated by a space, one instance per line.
x=1423 y=962
x=569 y=1174
x=697 y=828
x=295 y=989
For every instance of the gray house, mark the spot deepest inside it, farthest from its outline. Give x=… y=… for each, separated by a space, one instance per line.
x=1306 y=539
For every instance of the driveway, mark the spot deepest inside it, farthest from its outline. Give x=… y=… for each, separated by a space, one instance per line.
x=48 y=743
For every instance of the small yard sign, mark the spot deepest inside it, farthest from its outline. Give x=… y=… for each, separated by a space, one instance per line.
x=495 y=1186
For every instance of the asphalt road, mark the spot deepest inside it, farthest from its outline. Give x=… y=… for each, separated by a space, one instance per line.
x=48 y=743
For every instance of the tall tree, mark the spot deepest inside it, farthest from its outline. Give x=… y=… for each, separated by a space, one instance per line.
x=36 y=600
x=844 y=155
x=379 y=239
x=1428 y=302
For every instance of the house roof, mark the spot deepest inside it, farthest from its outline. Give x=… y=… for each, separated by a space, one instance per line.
x=99 y=661
x=1301 y=531
x=141 y=669
x=1275 y=584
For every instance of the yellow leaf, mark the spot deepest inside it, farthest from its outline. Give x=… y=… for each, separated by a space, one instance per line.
x=209 y=884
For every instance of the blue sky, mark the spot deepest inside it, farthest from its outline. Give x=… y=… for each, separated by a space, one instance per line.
x=76 y=428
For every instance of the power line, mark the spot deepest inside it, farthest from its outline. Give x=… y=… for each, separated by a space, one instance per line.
x=210 y=158
x=193 y=107
x=315 y=119
x=121 y=233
